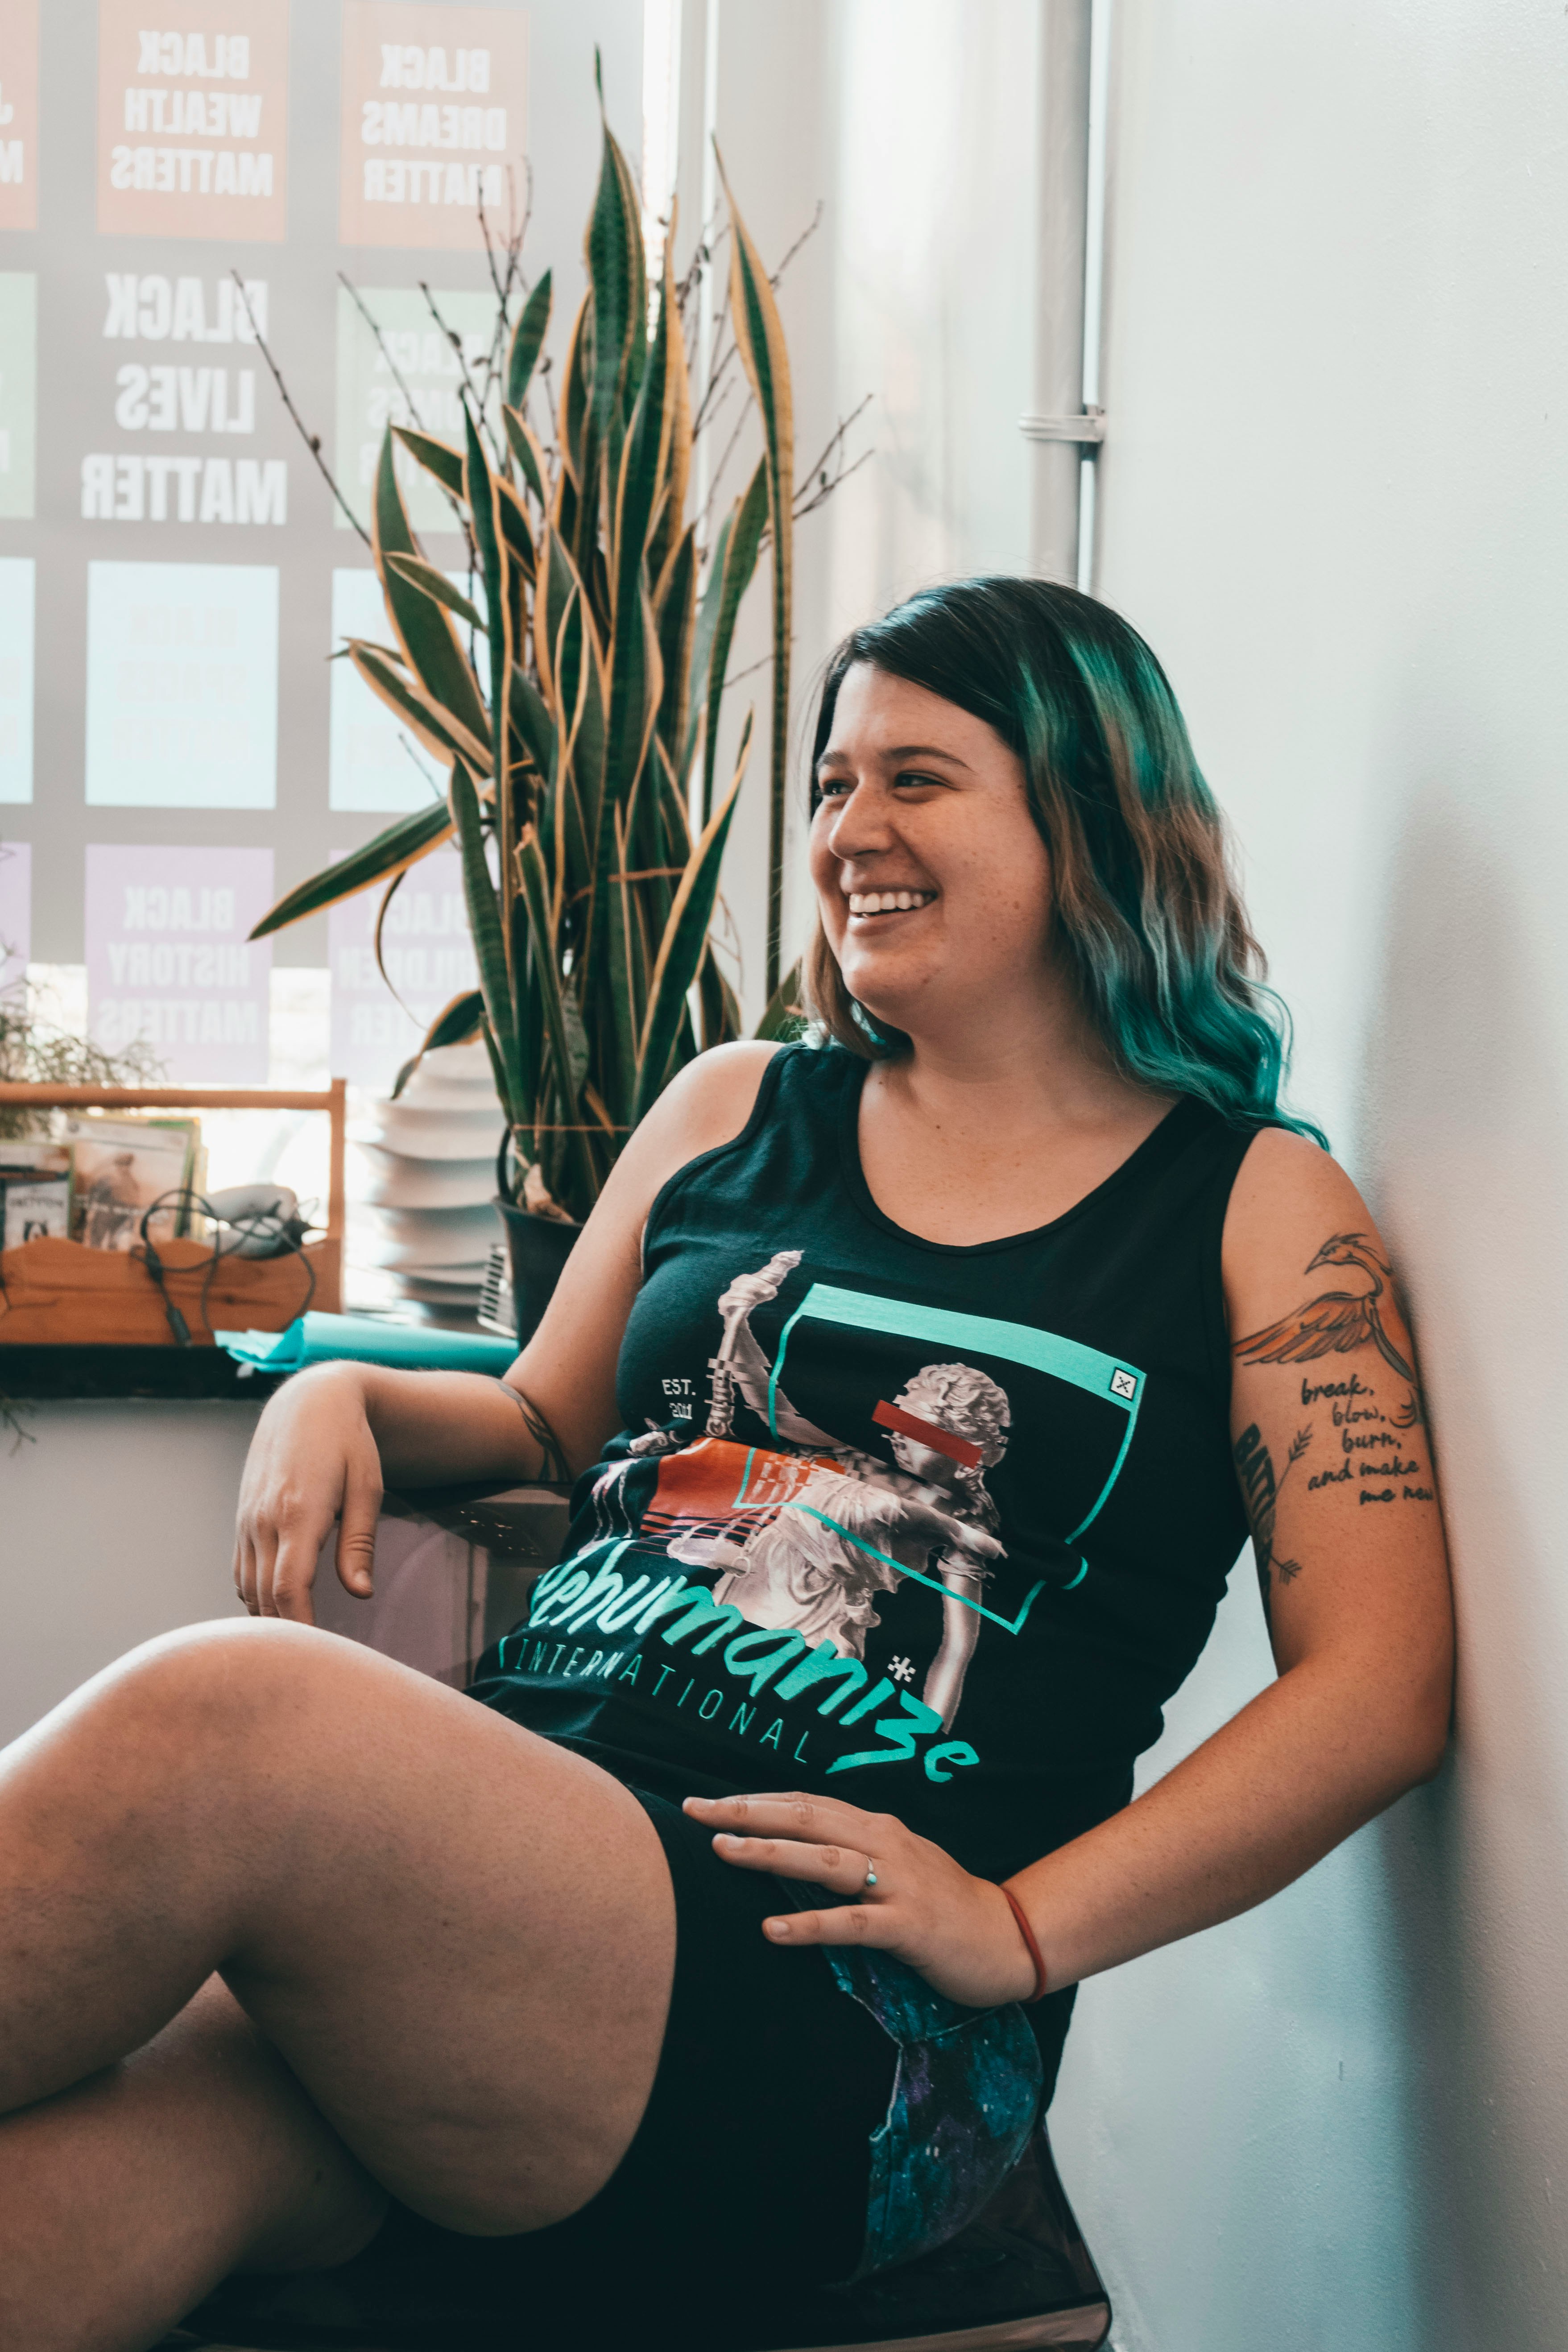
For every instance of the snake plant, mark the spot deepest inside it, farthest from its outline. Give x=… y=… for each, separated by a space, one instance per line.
x=576 y=713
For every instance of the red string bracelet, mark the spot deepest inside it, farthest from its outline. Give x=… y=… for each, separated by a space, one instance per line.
x=1032 y=1948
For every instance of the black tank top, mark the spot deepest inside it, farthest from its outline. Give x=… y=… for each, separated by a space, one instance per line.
x=935 y=1528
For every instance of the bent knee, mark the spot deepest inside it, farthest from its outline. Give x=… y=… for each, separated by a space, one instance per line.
x=208 y=1683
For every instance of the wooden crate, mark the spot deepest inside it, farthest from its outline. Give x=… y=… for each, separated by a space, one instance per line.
x=61 y=1293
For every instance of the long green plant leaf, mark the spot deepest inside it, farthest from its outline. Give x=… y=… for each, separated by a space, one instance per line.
x=438 y=458
x=527 y=341
x=534 y=890
x=431 y=581
x=456 y=1023
x=484 y=924
x=747 y=524
x=524 y=445
x=760 y=336
x=435 y=728
x=532 y=721
x=674 y=611
x=684 y=944
x=422 y=630
x=618 y=276
x=483 y=491
x=400 y=845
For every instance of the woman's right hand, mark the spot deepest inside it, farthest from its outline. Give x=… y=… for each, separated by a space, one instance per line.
x=314 y=1460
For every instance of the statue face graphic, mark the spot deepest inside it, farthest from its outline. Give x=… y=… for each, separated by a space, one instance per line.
x=923 y=1461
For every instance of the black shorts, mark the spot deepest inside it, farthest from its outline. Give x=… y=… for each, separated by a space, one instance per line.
x=779 y=2152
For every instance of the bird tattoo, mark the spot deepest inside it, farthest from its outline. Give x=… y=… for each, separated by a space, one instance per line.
x=1337 y=1322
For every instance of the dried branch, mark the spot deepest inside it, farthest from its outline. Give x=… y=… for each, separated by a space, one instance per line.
x=809 y=231
x=818 y=466
x=312 y=440
x=820 y=496
x=481 y=418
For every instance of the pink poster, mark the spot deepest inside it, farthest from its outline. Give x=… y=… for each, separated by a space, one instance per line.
x=193 y=130
x=15 y=909
x=429 y=958
x=20 y=114
x=434 y=123
x=168 y=962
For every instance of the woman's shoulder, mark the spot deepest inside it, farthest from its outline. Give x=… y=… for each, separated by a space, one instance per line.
x=708 y=1105
x=1293 y=1212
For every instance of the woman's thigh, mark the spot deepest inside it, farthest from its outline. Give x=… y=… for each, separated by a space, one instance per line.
x=459 y=1936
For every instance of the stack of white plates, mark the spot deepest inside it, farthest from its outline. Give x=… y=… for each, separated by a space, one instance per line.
x=427 y=1179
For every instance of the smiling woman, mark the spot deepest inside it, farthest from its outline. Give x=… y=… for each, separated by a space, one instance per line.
x=923 y=1396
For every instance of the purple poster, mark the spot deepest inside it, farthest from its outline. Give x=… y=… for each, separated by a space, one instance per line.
x=168 y=962
x=15 y=909
x=429 y=958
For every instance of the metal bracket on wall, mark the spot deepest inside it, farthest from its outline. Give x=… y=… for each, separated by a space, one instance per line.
x=1089 y=425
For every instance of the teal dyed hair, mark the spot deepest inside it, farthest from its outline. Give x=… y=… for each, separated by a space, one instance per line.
x=1145 y=908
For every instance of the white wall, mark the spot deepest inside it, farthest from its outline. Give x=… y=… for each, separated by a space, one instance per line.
x=1335 y=497
x=116 y=1523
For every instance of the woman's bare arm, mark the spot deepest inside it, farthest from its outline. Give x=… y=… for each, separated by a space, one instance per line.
x=1336 y=1470
x=333 y=1437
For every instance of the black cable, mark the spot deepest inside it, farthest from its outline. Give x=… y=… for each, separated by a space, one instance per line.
x=289 y=1232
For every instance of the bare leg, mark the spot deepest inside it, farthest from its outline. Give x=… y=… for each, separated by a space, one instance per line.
x=199 y=2156
x=460 y=1938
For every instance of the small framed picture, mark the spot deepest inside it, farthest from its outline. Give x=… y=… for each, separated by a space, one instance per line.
x=36 y=1211
x=35 y=1192
x=120 y=1167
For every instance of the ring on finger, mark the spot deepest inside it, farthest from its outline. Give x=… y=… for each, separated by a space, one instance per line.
x=870 y=1872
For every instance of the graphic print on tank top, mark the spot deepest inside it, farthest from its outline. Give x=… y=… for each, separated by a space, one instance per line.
x=818 y=1570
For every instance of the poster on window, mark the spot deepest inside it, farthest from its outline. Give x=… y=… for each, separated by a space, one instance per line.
x=16 y=586
x=18 y=114
x=182 y=685
x=428 y=953
x=169 y=965
x=193 y=119
x=434 y=123
x=18 y=390
x=397 y=365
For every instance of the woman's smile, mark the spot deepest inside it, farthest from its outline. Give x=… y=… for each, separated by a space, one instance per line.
x=866 y=904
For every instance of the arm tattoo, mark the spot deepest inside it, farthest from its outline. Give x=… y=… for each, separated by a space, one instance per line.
x=554 y=1466
x=1261 y=1492
x=1339 y=1321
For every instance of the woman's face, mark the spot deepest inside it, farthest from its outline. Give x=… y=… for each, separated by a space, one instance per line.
x=932 y=875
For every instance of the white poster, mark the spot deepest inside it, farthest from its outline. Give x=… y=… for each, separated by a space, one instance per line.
x=16 y=678
x=182 y=685
x=429 y=958
x=397 y=365
x=168 y=962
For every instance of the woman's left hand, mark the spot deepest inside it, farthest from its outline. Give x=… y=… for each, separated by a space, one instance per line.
x=958 y=1931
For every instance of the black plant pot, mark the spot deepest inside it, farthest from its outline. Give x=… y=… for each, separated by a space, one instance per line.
x=537 y=1248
